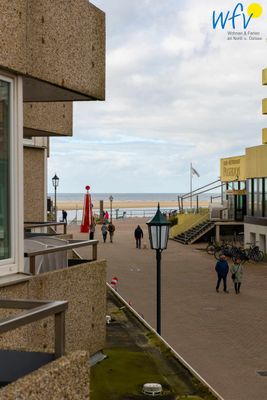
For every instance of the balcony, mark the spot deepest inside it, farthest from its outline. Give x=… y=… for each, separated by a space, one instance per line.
x=58 y=48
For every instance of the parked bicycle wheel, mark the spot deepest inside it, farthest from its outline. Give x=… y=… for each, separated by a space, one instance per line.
x=257 y=255
x=227 y=250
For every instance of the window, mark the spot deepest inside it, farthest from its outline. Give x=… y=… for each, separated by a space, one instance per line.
x=250 y=197
x=260 y=198
x=265 y=197
x=252 y=237
x=255 y=197
x=5 y=127
x=11 y=179
x=262 y=243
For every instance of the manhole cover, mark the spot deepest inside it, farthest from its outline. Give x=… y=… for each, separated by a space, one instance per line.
x=262 y=373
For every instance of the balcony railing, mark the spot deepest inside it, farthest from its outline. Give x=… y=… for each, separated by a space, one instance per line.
x=35 y=310
x=73 y=244
x=32 y=225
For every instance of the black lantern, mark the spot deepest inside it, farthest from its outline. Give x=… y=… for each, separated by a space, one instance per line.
x=55 y=181
x=158 y=230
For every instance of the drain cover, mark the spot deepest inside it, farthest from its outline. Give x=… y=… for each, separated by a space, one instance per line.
x=262 y=373
x=152 y=389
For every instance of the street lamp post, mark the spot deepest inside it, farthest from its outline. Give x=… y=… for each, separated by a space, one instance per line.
x=111 y=200
x=55 y=181
x=158 y=230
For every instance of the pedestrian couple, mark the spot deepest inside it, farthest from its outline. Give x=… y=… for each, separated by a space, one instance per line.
x=108 y=229
x=222 y=269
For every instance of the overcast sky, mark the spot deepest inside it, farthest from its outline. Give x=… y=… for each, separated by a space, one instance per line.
x=177 y=91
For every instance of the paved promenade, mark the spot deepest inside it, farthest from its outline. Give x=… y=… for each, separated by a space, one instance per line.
x=223 y=336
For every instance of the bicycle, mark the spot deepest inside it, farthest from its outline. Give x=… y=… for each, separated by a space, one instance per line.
x=212 y=246
x=254 y=253
x=224 y=249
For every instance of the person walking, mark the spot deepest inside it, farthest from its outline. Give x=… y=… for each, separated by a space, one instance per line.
x=92 y=231
x=222 y=269
x=237 y=274
x=111 y=230
x=138 y=234
x=64 y=216
x=104 y=231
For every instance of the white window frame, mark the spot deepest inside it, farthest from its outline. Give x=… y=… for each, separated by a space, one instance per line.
x=15 y=263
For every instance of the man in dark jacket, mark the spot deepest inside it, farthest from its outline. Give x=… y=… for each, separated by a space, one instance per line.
x=222 y=269
x=111 y=230
x=138 y=234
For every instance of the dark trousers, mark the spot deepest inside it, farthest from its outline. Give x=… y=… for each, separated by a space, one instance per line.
x=138 y=243
x=237 y=287
x=221 y=277
x=91 y=235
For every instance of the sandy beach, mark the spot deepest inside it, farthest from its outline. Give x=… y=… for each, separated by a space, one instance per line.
x=73 y=205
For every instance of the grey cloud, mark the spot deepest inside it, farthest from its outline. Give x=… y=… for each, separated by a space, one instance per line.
x=176 y=92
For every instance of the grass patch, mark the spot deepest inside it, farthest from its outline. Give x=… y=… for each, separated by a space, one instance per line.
x=156 y=342
x=123 y=372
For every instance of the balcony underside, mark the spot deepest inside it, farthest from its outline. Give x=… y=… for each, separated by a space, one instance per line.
x=57 y=46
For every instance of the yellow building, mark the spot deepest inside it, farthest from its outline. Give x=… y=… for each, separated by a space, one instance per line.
x=245 y=177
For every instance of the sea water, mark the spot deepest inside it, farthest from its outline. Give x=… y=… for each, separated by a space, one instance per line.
x=76 y=214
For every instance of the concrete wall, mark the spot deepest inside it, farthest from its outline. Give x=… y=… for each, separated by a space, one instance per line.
x=55 y=41
x=34 y=184
x=47 y=119
x=257 y=233
x=66 y=378
x=84 y=287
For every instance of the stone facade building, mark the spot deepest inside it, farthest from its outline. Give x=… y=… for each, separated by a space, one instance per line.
x=52 y=53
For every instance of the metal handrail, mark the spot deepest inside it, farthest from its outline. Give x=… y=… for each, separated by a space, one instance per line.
x=36 y=310
x=30 y=225
x=73 y=245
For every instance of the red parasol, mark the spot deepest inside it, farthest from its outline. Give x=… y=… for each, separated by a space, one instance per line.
x=87 y=212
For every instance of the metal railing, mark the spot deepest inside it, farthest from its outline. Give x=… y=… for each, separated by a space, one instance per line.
x=34 y=311
x=73 y=244
x=31 y=225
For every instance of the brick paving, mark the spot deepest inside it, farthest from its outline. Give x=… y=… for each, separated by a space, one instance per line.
x=222 y=336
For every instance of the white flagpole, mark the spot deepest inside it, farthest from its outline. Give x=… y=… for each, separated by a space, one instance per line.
x=191 y=186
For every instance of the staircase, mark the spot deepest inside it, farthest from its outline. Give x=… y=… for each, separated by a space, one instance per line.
x=194 y=233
